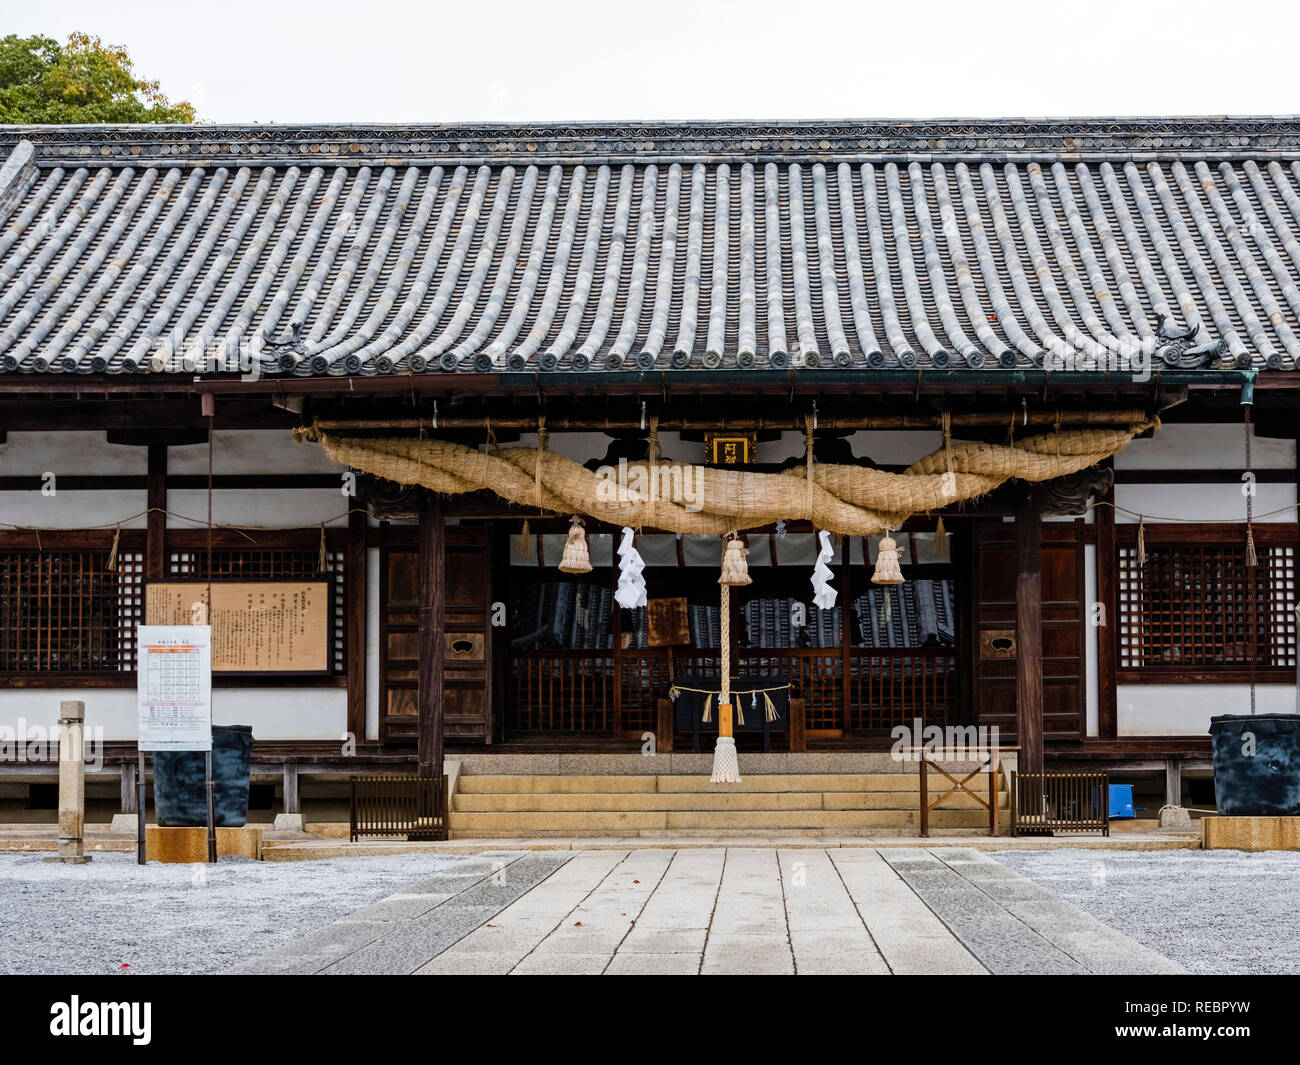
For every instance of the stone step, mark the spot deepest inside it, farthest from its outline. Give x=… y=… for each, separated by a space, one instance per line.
x=492 y=784
x=826 y=782
x=540 y=802
x=616 y=822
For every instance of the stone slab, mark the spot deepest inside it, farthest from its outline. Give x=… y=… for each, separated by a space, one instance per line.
x=1251 y=833
x=190 y=845
x=404 y=931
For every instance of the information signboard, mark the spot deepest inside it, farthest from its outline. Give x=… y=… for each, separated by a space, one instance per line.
x=259 y=628
x=174 y=686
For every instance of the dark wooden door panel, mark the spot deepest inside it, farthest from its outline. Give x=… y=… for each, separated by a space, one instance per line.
x=467 y=662
x=1064 y=614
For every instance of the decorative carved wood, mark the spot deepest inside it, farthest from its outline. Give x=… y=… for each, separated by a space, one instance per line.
x=387 y=500
x=1072 y=493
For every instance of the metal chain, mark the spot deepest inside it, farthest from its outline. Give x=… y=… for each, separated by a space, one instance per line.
x=1251 y=571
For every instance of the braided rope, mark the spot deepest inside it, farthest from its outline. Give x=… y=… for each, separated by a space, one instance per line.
x=844 y=499
x=725 y=636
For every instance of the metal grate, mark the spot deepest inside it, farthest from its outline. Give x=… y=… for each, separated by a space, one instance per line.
x=414 y=807
x=63 y=611
x=1189 y=606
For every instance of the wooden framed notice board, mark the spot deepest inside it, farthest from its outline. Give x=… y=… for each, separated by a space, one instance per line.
x=259 y=628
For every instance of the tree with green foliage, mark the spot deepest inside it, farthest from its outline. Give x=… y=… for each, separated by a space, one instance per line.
x=85 y=80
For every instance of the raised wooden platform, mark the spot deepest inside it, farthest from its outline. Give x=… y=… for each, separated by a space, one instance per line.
x=1251 y=833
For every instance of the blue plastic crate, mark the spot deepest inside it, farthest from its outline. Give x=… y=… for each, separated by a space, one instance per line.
x=1121 y=801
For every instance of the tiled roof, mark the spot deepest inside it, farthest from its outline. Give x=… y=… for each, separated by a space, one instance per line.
x=1094 y=244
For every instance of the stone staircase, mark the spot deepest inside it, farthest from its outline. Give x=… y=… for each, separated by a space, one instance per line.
x=491 y=805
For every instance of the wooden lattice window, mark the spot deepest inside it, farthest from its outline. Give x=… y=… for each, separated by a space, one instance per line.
x=270 y=564
x=1193 y=608
x=64 y=611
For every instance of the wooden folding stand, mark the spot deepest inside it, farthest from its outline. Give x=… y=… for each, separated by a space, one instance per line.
x=990 y=759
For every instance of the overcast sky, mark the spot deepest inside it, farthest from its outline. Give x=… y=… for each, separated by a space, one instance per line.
x=391 y=61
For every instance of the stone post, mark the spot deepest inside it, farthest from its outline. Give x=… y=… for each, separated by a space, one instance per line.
x=72 y=783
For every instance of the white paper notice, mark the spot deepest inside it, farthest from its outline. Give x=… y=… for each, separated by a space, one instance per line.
x=175 y=687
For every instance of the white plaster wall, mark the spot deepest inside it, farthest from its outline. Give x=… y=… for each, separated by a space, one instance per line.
x=256 y=451
x=271 y=508
x=80 y=453
x=1203 y=502
x=284 y=713
x=1186 y=709
x=1219 y=446
x=274 y=713
x=74 y=510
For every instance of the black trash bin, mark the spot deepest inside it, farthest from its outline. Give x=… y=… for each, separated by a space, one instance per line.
x=1256 y=764
x=179 y=793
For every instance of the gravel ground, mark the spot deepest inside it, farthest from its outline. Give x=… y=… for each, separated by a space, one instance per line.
x=112 y=916
x=1210 y=911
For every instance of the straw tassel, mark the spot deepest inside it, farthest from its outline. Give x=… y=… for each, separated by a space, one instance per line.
x=525 y=540
x=887 y=571
x=324 y=562
x=1142 y=543
x=735 y=570
x=111 y=565
x=726 y=768
x=576 y=558
x=941 y=546
x=1252 y=559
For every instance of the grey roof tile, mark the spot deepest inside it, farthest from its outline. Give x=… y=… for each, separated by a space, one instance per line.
x=940 y=245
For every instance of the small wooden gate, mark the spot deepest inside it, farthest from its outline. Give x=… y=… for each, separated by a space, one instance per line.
x=414 y=807
x=1066 y=802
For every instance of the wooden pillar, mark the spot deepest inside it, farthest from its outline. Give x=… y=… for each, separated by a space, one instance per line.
x=845 y=607
x=1173 y=782
x=432 y=536
x=615 y=701
x=354 y=632
x=292 y=805
x=129 y=797
x=1108 y=600
x=72 y=783
x=155 y=557
x=1029 y=633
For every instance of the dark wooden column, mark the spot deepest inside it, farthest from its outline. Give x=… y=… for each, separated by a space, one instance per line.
x=432 y=536
x=354 y=631
x=845 y=607
x=1107 y=598
x=1029 y=633
x=155 y=562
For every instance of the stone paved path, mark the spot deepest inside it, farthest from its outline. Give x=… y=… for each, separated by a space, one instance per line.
x=736 y=910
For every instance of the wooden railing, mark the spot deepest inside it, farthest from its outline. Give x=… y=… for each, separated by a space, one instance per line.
x=562 y=691
x=604 y=692
x=895 y=686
